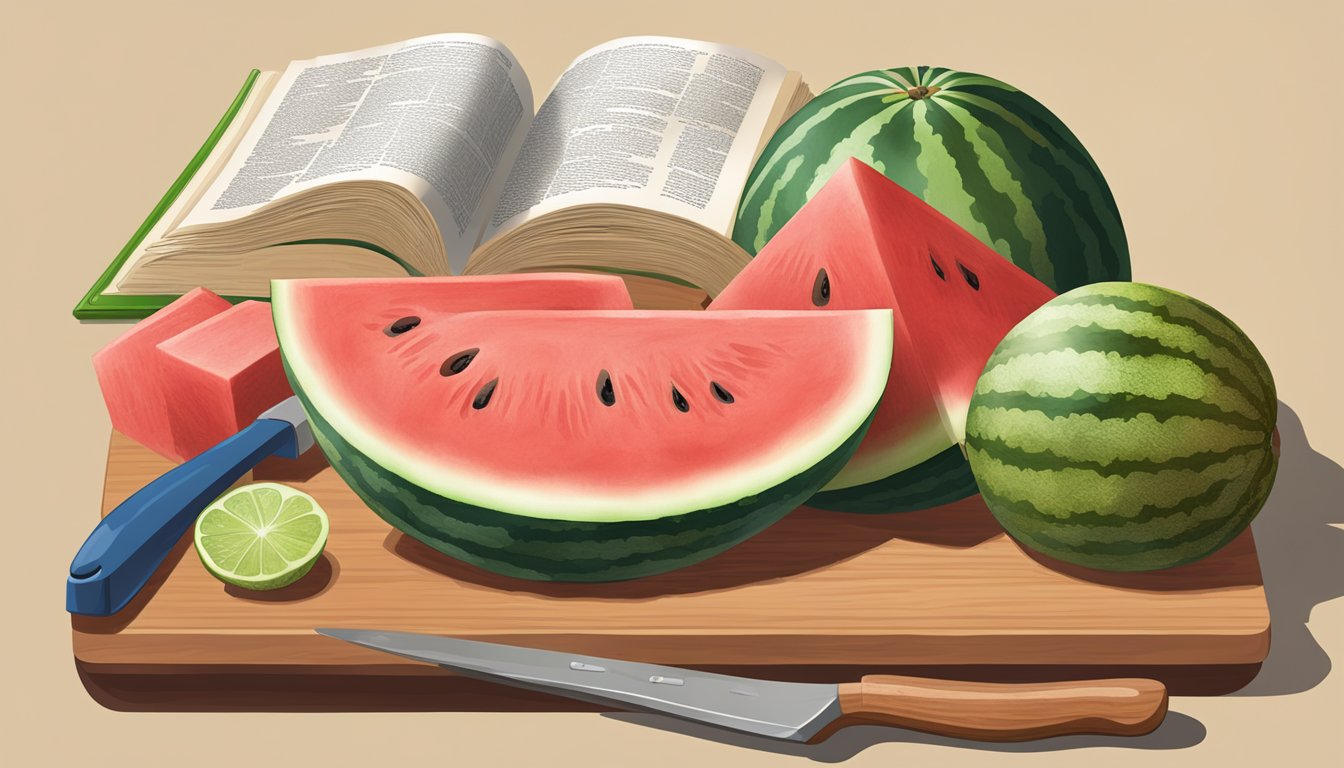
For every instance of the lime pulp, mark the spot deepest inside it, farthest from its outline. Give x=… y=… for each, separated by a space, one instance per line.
x=261 y=536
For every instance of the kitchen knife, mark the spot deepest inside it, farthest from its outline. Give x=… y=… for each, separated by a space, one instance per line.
x=803 y=712
x=129 y=544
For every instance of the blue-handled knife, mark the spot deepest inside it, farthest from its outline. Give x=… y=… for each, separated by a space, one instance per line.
x=803 y=712
x=129 y=544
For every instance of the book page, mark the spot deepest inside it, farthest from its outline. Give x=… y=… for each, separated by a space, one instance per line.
x=652 y=122
x=438 y=115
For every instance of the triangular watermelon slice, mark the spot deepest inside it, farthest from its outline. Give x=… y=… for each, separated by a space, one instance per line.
x=581 y=445
x=863 y=242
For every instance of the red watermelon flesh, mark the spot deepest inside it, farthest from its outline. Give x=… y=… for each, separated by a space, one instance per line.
x=395 y=305
x=129 y=372
x=591 y=416
x=476 y=293
x=221 y=375
x=864 y=242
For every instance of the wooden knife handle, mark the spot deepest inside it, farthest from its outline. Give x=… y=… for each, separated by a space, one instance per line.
x=1003 y=711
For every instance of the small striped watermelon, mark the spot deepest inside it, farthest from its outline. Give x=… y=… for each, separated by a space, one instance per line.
x=1124 y=427
x=983 y=153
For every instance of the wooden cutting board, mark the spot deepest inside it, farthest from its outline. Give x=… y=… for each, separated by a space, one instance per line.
x=820 y=596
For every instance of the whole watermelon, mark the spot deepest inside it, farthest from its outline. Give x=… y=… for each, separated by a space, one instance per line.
x=1125 y=427
x=985 y=154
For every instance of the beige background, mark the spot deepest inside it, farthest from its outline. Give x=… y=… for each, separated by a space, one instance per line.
x=1217 y=125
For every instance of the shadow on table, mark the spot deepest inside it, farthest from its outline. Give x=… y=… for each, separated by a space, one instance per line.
x=1178 y=731
x=1301 y=557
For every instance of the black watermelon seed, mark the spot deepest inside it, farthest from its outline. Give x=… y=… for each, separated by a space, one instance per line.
x=458 y=363
x=937 y=268
x=679 y=400
x=605 y=392
x=821 y=289
x=483 y=397
x=401 y=326
x=724 y=395
x=971 y=278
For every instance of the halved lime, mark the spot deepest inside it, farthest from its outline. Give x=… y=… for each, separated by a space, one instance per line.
x=261 y=536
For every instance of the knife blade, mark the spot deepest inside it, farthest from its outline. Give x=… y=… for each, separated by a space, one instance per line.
x=126 y=547
x=802 y=712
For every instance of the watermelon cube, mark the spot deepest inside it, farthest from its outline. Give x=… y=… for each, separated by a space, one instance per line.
x=128 y=370
x=220 y=375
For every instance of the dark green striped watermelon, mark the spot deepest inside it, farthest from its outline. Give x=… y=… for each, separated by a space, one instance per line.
x=581 y=445
x=985 y=154
x=1124 y=427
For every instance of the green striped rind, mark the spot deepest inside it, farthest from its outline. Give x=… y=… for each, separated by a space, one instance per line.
x=1124 y=427
x=561 y=550
x=985 y=154
x=943 y=479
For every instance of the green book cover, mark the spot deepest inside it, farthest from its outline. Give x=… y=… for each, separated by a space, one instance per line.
x=98 y=304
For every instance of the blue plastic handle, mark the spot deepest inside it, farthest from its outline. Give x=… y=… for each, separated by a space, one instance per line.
x=129 y=544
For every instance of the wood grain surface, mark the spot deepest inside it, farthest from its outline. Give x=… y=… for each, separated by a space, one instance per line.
x=1003 y=712
x=928 y=590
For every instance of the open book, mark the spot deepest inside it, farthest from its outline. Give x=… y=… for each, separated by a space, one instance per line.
x=424 y=157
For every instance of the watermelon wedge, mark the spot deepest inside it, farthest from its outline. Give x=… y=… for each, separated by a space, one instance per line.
x=580 y=446
x=863 y=242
